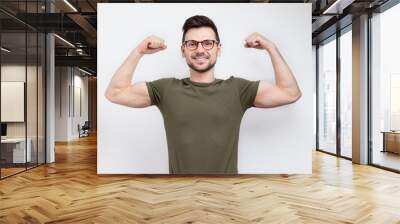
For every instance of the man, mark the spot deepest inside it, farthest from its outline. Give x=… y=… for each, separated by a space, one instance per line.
x=202 y=114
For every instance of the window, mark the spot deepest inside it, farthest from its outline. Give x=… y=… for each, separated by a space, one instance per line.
x=346 y=94
x=327 y=97
x=385 y=88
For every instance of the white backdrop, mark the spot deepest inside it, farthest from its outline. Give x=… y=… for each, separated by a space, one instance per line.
x=274 y=140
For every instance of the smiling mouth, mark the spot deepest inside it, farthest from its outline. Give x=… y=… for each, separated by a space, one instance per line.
x=200 y=59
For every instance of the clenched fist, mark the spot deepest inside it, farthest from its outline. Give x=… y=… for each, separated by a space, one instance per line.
x=256 y=40
x=151 y=45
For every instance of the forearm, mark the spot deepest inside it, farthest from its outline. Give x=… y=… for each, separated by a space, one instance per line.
x=283 y=75
x=123 y=76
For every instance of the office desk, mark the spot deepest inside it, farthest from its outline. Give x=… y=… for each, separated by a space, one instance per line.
x=391 y=141
x=15 y=148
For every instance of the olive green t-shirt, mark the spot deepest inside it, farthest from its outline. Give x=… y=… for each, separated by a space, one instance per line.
x=202 y=121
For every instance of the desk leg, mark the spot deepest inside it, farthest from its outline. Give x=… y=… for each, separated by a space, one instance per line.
x=384 y=143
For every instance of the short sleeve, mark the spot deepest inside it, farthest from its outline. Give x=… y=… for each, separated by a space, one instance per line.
x=157 y=89
x=247 y=91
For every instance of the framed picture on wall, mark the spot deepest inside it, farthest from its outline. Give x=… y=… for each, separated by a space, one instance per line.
x=12 y=101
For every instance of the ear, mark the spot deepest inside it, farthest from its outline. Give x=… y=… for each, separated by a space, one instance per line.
x=219 y=50
x=183 y=51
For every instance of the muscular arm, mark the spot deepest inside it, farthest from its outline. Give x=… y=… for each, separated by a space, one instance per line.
x=285 y=90
x=121 y=90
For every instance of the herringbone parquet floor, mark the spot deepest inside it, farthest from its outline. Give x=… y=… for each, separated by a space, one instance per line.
x=70 y=191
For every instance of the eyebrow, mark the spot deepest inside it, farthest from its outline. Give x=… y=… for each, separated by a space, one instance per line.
x=200 y=40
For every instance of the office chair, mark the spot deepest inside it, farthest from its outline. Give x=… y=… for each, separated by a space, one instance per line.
x=84 y=130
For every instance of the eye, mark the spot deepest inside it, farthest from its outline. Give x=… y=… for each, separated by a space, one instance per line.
x=208 y=43
x=191 y=44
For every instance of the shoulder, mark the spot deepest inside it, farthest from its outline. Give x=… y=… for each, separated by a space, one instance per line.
x=243 y=84
x=239 y=81
x=161 y=84
x=162 y=81
x=234 y=80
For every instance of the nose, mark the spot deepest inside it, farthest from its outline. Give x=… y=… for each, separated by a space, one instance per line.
x=200 y=47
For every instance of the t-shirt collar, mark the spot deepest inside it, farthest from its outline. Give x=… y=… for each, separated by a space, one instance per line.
x=201 y=84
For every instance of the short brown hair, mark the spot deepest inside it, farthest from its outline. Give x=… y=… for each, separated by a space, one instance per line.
x=196 y=22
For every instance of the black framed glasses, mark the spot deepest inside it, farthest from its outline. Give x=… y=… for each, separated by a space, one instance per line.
x=193 y=44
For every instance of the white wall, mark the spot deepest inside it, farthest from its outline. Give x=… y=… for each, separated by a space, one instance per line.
x=61 y=103
x=80 y=83
x=276 y=140
x=67 y=80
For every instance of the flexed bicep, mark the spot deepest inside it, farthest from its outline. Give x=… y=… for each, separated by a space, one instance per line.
x=135 y=95
x=271 y=95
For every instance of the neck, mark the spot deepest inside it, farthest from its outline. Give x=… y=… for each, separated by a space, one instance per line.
x=202 y=77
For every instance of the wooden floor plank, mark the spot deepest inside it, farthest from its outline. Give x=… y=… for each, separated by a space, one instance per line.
x=70 y=191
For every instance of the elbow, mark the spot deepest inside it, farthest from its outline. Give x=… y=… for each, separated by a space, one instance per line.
x=298 y=95
x=109 y=96
x=295 y=97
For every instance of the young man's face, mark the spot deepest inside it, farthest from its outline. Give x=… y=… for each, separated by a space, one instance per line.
x=201 y=59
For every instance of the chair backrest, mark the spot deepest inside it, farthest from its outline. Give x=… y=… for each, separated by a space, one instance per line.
x=86 y=124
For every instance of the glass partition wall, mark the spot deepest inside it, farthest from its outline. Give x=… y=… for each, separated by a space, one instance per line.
x=334 y=71
x=346 y=75
x=385 y=89
x=327 y=95
x=13 y=90
x=334 y=102
x=22 y=87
